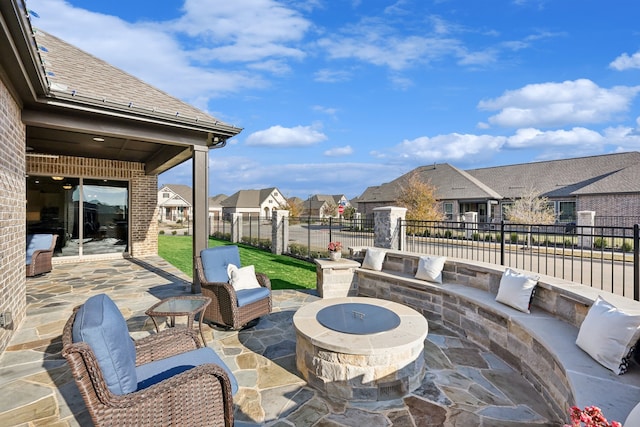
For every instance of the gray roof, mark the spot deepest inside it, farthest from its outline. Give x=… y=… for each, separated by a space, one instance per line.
x=216 y=201
x=450 y=182
x=248 y=198
x=610 y=173
x=73 y=72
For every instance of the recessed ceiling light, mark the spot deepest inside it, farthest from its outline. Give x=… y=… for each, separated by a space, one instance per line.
x=98 y=139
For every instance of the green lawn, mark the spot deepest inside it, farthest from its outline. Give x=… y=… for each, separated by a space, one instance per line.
x=283 y=271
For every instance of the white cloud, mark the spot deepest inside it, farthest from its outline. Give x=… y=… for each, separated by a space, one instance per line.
x=325 y=110
x=331 y=76
x=339 y=151
x=278 y=136
x=245 y=30
x=451 y=147
x=556 y=104
x=625 y=62
x=530 y=137
x=262 y=36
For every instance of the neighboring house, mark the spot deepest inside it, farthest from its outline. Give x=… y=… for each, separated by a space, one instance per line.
x=215 y=206
x=174 y=202
x=324 y=205
x=253 y=203
x=607 y=184
x=83 y=144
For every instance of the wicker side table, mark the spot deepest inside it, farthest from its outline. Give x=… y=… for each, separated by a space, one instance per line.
x=180 y=306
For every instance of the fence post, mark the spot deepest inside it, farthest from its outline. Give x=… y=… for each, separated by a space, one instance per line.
x=330 y=229
x=502 y=242
x=636 y=262
x=279 y=232
x=236 y=227
x=385 y=227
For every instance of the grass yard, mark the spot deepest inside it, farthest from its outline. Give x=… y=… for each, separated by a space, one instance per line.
x=283 y=271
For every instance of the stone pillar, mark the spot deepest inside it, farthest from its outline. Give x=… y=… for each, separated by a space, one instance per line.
x=386 y=228
x=586 y=221
x=335 y=279
x=236 y=227
x=279 y=232
x=470 y=224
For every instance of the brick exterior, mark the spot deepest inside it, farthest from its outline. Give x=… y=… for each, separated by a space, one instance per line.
x=143 y=238
x=12 y=214
x=615 y=205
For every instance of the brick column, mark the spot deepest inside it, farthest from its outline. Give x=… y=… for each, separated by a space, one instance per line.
x=387 y=233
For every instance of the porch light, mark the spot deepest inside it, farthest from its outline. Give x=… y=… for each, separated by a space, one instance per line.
x=98 y=139
x=67 y=186
x=57 y=178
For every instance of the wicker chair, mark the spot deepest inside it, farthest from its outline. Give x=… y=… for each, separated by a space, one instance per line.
x=229 y=308
x=197 y=396
x=39 y=253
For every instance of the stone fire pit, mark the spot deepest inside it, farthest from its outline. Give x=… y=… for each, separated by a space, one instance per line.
x=360 y=348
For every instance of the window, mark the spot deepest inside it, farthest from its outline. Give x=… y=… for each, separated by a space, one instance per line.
x=166 y=195
x=566 y=211
x=448 y=210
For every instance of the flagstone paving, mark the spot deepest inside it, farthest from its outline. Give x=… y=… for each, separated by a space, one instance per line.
x=464 y=385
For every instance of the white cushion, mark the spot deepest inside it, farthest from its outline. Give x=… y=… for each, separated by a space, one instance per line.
x=430 y=268
x=242 y=278
x=516 y=289
x=373 y=259
x=609 y=335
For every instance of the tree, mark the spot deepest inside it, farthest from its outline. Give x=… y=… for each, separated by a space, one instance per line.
x=294 y=206
x=349 y=212
x=530 y=209
x=330 y=209
x=419 y=198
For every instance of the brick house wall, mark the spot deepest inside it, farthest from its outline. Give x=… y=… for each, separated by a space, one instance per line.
x=143 y=238
x=12 y=214
x=615 y=205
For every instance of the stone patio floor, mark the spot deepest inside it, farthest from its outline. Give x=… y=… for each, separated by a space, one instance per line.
x=464 y=385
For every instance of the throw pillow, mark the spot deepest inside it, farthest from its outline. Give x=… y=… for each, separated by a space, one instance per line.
x=516 y=290
x=373 y=259
x=242 y=278
x=609 y=335
x=430 y=268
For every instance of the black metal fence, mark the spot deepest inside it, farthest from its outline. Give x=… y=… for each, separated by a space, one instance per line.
x=310 y=236
x=601 y=257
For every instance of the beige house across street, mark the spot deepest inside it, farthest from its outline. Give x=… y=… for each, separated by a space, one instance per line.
x=325 y=205
x=253 y=203
x=174 y=202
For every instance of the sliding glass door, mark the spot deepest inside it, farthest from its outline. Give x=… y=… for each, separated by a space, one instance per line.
x=90 y=216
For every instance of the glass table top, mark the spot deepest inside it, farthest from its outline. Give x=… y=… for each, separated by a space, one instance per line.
x=179 y=305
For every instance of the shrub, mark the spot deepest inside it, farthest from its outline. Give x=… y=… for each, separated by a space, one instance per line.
x=600 y=243
x=174 y=232
x=513 y=237
x=161 y=232
x=448 y=234
x=626 y=247
x=186 y=233
x=568 y=242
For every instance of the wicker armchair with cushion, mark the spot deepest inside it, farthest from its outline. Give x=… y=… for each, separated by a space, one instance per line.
x=39 y=253
x=232 y=305
x=160 y=380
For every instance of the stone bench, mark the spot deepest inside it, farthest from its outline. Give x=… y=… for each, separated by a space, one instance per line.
x=541 y=345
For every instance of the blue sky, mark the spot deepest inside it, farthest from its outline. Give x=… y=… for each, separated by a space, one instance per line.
x=338 y=95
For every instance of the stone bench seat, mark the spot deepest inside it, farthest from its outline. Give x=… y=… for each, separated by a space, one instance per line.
x=541 y=345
